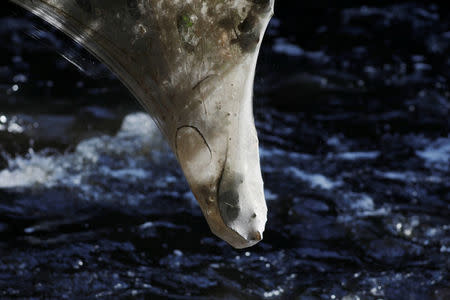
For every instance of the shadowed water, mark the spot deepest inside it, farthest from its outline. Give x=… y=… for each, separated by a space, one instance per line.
x=352 y=113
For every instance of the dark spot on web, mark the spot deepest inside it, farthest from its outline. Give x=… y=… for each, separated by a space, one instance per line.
x=228 y=23
x=248 y=24
x=229 y=205
x=247 y=41
x=229 y=196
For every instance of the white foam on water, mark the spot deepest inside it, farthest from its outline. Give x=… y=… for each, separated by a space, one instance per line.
x=138 y=140
x=130 y=173
x=269 y=153
x=359 y=155
x=362 y=202
x=396 y=176
x=10 y=124
x=269 y=195
x=392 y=175
x=437 y=154
x=315 y=180
x=284 y=47
x=359 y=205
x=27 y=171
x=274 y=293
x=408 y=177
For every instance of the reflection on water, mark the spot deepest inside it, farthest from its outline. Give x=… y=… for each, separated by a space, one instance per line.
x=355 y=156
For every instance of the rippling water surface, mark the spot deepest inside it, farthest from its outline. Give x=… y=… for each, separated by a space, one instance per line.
x=352 y=107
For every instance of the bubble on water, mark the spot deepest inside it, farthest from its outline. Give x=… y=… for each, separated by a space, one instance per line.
x=408 y=231
x=78 y=264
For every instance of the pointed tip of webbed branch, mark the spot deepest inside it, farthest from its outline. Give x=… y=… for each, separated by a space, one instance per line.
x=191 y=64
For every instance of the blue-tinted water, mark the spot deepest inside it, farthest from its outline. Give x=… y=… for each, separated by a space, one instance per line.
x=351 y=107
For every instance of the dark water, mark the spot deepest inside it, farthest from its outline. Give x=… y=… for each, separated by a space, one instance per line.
x=352 y=107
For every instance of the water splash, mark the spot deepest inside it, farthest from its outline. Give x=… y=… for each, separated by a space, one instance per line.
x=138 y=140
